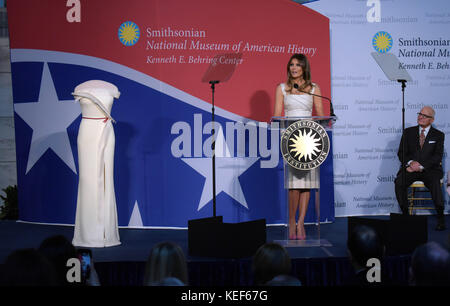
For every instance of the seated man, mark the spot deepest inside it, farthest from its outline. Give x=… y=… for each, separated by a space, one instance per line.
x=424 y=148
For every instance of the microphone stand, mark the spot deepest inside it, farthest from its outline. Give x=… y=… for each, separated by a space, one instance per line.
x=331 y=104
x=403 y=134
x=213 y=87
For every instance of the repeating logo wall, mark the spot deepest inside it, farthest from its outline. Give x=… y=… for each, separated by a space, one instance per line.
x=367 y=133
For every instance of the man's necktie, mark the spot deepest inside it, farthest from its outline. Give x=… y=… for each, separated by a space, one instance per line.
x=422 y=138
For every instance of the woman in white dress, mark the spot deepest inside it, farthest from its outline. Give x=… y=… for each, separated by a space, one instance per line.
x=96 y=214
x=296 y=103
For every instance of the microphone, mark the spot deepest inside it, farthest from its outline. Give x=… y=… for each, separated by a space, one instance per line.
x=331 y=104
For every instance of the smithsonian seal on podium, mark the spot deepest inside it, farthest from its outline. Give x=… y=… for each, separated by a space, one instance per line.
x=305 y=145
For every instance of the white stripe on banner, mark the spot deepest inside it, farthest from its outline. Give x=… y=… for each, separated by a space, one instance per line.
x=27 y=55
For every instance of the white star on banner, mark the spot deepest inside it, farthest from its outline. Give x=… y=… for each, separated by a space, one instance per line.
x=228 y=170
x=49 y=119
x=135 y=219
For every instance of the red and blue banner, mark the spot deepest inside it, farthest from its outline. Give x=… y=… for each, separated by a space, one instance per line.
x=156 y=53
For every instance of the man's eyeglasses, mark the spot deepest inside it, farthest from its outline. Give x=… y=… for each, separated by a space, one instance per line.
x=426 y=116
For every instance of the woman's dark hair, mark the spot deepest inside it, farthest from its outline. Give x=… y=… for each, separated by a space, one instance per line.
x=270 y=260
x=166 y=259
x=304 y=63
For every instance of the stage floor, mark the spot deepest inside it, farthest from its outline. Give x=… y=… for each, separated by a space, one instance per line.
x=137 y=243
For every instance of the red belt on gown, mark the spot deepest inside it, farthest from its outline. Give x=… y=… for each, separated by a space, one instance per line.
x=101 y=118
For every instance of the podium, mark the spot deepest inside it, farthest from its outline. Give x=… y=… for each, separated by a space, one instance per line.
x=305 y=144
x=211 y=237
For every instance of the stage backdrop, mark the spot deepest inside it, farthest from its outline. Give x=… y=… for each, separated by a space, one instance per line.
x=369 y=106
x=156 y=53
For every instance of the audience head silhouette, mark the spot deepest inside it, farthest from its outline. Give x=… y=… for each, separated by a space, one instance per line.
x=430 y=265
x=27 y=267
x=284 y=280
x=58 y=250
x=364 y=243
x=169 y=282
x=166 y=260
x=270 y=260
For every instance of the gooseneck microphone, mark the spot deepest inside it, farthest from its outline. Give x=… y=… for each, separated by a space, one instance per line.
x=331 y=104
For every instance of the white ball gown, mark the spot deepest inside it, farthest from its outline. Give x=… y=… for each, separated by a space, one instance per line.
x=96 y=214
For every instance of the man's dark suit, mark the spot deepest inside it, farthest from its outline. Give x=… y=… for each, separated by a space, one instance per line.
x=430 y=157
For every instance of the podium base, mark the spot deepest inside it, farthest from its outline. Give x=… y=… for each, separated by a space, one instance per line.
x=313 y=238
x=210 y=237
x=304 y=243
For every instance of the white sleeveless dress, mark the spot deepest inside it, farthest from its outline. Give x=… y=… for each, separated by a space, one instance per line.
x=299 y=105
x=96 y=214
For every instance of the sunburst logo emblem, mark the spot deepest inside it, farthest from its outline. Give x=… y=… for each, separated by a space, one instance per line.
x=382 y=42
x=305 y=145
x=129 y=33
